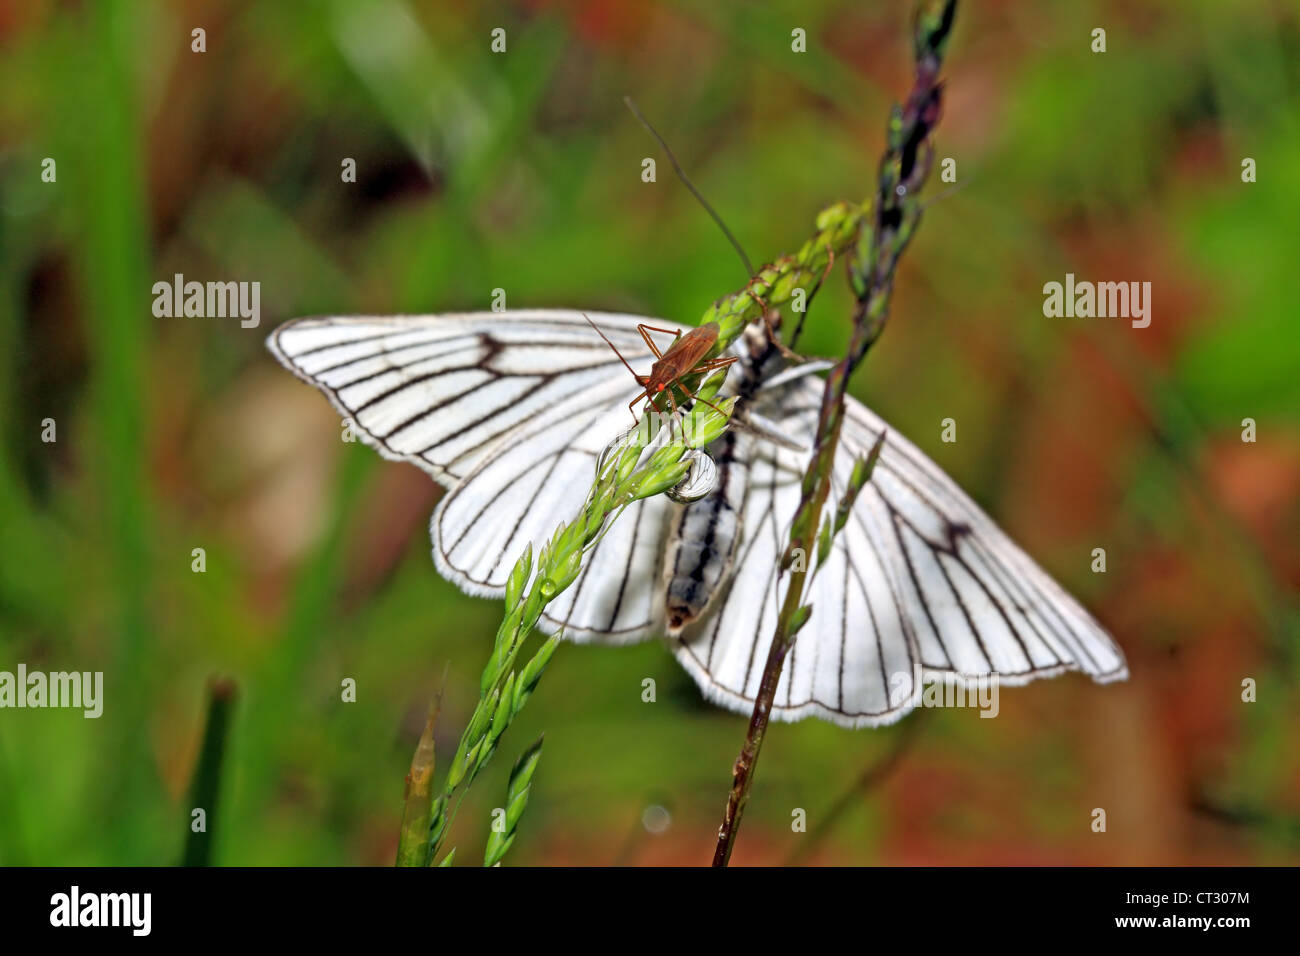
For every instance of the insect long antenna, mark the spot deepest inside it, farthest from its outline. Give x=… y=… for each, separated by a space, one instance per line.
x=940 y=196
x=613 y=346
x=681 y=174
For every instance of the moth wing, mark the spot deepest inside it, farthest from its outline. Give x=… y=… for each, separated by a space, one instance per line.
x=919 y=584
x=523 y=488
x=442 y=391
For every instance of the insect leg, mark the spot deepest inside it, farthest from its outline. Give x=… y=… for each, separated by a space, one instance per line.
x=676 y=412
x=645 y=331
x=712 y=365
x=697 y=398
x=769 y=319
x=633 y=412
x=645 y=334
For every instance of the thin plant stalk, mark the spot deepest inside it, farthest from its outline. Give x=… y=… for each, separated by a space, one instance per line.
x=644 y=463
x=895 y=214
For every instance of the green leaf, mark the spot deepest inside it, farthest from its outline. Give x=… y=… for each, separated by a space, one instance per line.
x=532 y=672
x=505 y=709
x=437 y=824
x=521 y=778
x=482 y=714
x=509 y=627
x=824 y=542
x=518 y=578
x=461 y=764
x=710 y=386
x=661 y=480
x=799 y=618
x=492 y=669
x=706 y=424
x=497 y=845
x=862 y=471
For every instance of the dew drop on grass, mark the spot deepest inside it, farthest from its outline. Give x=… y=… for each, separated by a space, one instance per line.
x=701 y=480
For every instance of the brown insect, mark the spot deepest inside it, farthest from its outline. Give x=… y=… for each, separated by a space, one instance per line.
x=682 y=358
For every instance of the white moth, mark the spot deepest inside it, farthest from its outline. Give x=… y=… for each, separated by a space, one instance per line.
x=510 y=412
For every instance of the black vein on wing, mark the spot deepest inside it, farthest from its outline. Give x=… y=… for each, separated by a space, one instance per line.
x=393 y=367
x=509 y=485
x=770 y=523
x=611 y=325
x=489 y=344
x=512 y=425
x=434 y=408
x=1038 y=579
x=996 y=573
x=627 y=568
x=882 y=559
x=555 y=458
x=955 y=530
x=911 y=570
x=1064 y=633
x=937 y=554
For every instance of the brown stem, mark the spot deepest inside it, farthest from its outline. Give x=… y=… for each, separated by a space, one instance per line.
x=816 y=487
x=896 y=213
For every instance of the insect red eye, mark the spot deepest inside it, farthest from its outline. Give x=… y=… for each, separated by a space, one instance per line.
x=659 y=389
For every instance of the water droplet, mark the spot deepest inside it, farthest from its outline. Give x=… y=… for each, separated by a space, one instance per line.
x=656 y=819
x=548 y=587
x=616 y=448
x=701 y=480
